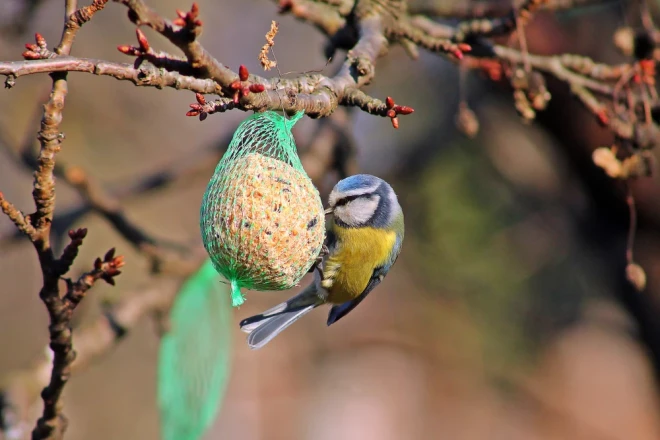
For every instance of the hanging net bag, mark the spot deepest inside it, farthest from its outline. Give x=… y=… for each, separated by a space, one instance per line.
x=262 y=219
x=194 y=359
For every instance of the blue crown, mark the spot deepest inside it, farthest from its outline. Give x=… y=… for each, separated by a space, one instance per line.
x=358 y=181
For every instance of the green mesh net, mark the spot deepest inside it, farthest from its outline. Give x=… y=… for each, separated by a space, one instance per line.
x=262 y=219
x=194 y=357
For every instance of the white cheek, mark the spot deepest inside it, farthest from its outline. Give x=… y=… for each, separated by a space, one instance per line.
x=340 y=214
x=357 y=212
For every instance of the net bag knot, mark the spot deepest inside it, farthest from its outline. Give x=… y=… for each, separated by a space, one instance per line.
x=262 y=218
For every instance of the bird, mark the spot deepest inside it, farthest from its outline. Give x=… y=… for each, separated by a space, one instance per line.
x=363 y=241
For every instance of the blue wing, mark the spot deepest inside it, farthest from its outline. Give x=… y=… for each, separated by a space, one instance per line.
x=339 y=311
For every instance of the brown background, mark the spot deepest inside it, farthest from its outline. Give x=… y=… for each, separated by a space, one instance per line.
x=501 y=319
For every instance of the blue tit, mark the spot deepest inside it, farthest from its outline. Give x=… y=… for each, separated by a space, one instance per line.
x=363 y=242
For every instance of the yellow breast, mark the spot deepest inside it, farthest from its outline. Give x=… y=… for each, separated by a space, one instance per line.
x=359 y=251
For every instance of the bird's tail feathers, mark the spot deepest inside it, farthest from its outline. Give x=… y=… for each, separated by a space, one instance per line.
x=265 y=326
x=266 y=330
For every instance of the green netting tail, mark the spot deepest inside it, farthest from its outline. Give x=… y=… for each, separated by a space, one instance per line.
x=237 y=297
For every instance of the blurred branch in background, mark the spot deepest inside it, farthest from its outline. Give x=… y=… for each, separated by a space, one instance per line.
x=20 y=20
x=480 y=8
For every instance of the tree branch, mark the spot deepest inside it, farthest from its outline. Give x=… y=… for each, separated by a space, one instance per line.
x=37 y=227
x=19 y=391
x=145 y=74
x=316 y=94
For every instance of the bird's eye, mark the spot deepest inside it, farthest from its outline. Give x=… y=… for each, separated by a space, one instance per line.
x=345 y=200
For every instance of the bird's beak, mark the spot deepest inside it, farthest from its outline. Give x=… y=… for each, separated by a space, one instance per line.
x=328 y=211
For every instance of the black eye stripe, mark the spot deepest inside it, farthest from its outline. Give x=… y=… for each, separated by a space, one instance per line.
x=347 y=199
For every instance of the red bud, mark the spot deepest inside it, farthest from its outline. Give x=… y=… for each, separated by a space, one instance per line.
x=235 y=85
x=29 y=55
x=391 y=114
x=403 y=110
x=179 y=22
x=142 y=39
x=41 y=41
x=395 y=123
x=192 y=113
x=257 y=88
x=243 y=73
x=129 y=50
x=647 y=64
x=200 y=98
x=389 y=102
x=245 y=91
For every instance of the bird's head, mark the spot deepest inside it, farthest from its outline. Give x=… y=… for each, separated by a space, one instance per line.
x=363 y=200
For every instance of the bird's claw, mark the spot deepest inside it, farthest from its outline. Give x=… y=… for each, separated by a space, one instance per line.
x=319 y=259
x=318 y=268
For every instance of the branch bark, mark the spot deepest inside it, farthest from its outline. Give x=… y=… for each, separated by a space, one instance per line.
x=145 y=74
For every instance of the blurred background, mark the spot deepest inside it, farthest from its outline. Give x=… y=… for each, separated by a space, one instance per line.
x=507 y=316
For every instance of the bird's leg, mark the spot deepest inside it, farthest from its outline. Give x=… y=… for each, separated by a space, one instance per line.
x=317 y=266
x=324 y=251
x=319 y=259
